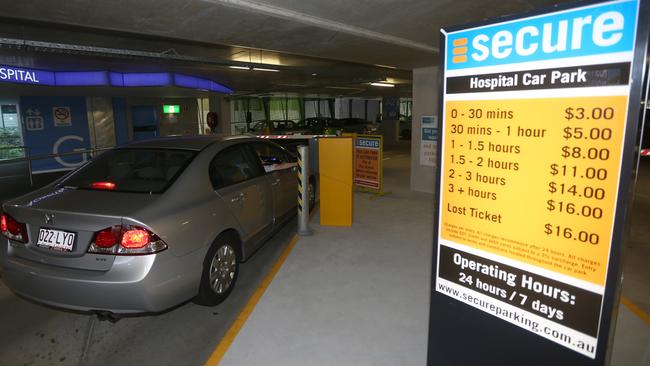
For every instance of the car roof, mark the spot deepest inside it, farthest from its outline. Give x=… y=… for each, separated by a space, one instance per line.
x=196 y=142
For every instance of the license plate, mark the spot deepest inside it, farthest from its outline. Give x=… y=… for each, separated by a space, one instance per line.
x=56 y=239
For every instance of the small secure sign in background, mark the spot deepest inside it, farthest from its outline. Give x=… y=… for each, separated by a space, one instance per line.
x=429 y=141
x=367 y=162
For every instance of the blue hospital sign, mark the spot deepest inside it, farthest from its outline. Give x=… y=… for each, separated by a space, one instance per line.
x=21 y=75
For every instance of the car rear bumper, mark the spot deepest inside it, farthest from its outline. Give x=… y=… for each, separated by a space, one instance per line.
x=134 y=284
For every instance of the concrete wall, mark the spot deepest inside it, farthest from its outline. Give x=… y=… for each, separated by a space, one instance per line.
x=313 y=107
x=373 y=110
x=184 y=123
x=46 y=135
x=360 y=109
x=100 y=122
x=425 y=103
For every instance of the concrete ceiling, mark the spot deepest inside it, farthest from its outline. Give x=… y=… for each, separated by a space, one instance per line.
x=398 y=33
x=44 y=46
x=342 y=41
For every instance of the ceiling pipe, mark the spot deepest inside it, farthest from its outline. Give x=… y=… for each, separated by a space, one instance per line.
x=118 y=52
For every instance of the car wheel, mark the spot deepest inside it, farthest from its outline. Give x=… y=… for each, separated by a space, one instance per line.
x=220 y=270
x=312 y=194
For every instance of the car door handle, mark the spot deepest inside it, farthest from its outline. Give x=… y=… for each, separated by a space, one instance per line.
x=275 y=182
x=239 y=197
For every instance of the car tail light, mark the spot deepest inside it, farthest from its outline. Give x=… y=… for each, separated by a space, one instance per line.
x=108 y=237
x=126 y=240
x=109 y=186
x=136 y=238
x=13 y=229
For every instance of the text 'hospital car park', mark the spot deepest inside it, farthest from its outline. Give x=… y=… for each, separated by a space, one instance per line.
x=272 y=182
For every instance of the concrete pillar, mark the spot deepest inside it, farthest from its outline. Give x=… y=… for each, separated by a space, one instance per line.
x=425 y=103
x=221 y=105
x=389 y=127
x=390 y=131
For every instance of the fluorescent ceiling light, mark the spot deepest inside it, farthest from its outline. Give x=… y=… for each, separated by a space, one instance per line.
x=385 y=85
x=341 y=87
x=263 y=69
x=240 y=67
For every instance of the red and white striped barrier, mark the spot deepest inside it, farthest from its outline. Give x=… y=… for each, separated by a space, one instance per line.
x=291 y=137
x=273 y=136
x=645 y=152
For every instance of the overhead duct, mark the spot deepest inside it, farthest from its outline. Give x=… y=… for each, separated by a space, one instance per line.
x=41 y=46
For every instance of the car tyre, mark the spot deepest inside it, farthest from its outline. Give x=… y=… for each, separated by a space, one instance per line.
x=220 y=270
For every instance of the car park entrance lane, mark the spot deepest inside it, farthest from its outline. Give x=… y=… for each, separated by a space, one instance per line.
x=359 y=295
x=34 y=335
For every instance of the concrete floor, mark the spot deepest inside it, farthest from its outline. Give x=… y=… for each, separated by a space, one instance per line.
x=345 y=296
x=359 y=296
x=351 y=296
x=632 y=342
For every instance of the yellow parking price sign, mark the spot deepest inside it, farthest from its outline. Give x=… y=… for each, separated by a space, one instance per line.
x=537 y=140
x=538 y=179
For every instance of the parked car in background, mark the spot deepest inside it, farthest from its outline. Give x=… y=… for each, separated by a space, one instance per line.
x=287 y=127
x=356 y=125
x=147 y=226
x=318 y=125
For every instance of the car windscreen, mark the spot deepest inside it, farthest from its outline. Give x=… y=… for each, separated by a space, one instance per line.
x=131 y=170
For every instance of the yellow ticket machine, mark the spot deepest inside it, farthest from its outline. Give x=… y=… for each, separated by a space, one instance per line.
x=335 y=162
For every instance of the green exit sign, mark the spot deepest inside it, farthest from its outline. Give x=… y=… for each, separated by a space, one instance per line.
x=171 y=108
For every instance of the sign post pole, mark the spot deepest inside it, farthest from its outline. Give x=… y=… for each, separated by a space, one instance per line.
x=538 y=140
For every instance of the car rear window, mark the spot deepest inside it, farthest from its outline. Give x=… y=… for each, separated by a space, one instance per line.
x=131 y=170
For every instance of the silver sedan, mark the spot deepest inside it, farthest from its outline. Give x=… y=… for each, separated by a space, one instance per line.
x=147 y=226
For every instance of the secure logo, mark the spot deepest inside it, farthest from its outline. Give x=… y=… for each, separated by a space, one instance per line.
x=460 y=50
x=587 y=31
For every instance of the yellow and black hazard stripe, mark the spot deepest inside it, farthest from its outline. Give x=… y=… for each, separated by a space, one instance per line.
x=300 y=188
